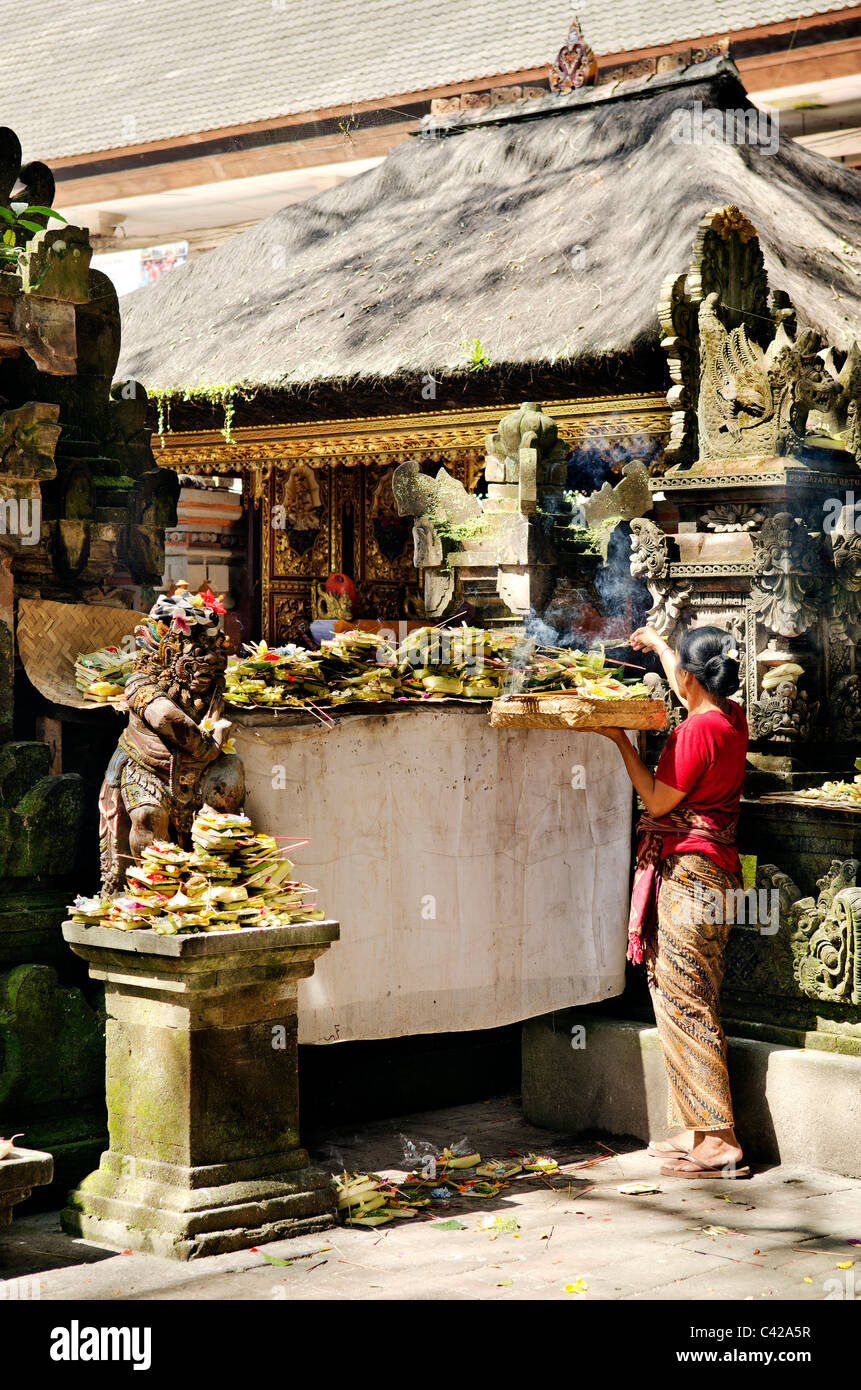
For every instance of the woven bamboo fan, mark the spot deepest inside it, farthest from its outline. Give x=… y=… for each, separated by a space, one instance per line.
x=568 y=710
x=50 y=636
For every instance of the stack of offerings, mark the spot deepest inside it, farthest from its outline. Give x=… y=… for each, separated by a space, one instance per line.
x=469 y=663
x=288 y=676
x=843 y=792
x=101 y=676
x=353 y=667
x=231 y=878
x=359 y=667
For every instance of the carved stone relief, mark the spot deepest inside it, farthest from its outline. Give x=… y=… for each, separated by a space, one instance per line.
x=787 y=586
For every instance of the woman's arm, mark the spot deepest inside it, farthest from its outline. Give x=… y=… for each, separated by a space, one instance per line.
x=658 y=797
x=646 y=639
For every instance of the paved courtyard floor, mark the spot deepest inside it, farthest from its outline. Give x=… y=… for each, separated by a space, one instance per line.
x=783 y=1234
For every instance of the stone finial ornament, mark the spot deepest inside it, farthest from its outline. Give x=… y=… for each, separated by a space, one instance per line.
x=575 y=64
x=528 y=427
x=526 y=465
x=418 y=495
x=628 y=499
x=172 y=757
x=745 y=380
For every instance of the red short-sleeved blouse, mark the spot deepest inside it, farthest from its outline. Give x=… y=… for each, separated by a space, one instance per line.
x=705 y=758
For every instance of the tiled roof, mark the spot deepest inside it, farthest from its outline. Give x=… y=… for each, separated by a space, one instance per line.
x=84 y=75
x=544 y=229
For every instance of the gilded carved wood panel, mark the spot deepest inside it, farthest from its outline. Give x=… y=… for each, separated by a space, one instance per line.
x=324 y=489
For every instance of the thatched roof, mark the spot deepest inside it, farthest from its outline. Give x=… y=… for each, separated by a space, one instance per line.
x=543 y=229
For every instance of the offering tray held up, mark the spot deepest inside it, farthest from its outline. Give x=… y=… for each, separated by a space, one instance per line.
x=567 y=709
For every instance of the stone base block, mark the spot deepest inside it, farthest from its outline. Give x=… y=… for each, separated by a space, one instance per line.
x=791 y=1105
x=185 y=1213
x=20 y=1172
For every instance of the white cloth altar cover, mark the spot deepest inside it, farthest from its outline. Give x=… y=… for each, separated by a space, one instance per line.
x=480 y=876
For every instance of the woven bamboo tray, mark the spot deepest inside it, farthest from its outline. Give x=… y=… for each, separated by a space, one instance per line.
x=50 y=636
x=564 y=710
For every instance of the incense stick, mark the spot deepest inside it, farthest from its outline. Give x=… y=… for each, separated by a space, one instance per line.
x=633 y=665
x=450 y=619
x=615 y=661
x=325 y=719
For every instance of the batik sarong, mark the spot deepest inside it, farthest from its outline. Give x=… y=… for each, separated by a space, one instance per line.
x=684 y=977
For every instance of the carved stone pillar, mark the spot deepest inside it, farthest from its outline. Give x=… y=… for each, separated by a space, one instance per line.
x=202 y=1091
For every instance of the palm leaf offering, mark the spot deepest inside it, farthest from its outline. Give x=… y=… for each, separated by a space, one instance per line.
x=101 y=676
x=575 y=690
x=466 y=663
x=231 y=878
x=369 y=1199
x=849 y=792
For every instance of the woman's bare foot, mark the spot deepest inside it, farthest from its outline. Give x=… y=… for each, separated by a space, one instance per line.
x=716 y=1148
x=682 y=1143
x=714 y=1151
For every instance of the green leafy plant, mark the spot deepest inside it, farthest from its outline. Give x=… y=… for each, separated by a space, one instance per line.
x=453 y=534
x=459 y=531
x=477 y=358
x=224 y=394
x=592 y=538
x=17 y=218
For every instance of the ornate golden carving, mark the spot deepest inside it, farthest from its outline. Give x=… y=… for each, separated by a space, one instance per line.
x=284 y=609
x=458 y=435
x=265 y=455
x=388 y=547
x=298 y=516
x=731 y=219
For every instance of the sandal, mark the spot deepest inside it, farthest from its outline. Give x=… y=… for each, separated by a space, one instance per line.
x=695 y=1169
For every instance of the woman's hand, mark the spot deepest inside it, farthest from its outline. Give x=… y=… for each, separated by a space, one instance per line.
x=646 y=639
x=615 y=735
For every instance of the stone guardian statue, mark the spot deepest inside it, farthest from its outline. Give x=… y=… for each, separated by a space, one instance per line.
x=171 y=757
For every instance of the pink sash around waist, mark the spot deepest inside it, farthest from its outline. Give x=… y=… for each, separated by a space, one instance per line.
x=718 y=827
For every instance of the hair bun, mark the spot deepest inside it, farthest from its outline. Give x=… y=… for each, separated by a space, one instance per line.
x=712 y=656
x=720 y=675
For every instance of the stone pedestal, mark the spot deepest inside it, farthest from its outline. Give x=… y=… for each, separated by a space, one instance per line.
x=23 y=1170
x=202 y=1091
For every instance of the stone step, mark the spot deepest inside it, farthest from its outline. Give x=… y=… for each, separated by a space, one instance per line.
x=791 y=1105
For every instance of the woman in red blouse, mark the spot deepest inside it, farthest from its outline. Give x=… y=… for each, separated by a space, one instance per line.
x=687 y=865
